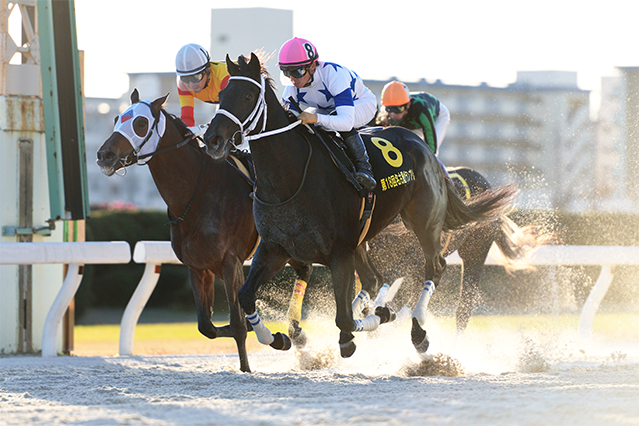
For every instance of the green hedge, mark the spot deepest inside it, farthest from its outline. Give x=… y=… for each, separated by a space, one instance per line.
x=113 y=285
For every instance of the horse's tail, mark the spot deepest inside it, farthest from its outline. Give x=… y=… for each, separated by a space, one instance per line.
x=514 y=245
x=487 y=206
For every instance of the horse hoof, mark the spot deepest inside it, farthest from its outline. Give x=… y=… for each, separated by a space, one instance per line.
x=386 y=314
x=281 y=342
x=347 y=349
x=298 y=337
x=419 y=337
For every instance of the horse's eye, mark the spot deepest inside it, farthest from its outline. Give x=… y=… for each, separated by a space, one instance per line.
x=248 y=97
x=140 y=126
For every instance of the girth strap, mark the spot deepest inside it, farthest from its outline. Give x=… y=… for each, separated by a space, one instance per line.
x=366 y=210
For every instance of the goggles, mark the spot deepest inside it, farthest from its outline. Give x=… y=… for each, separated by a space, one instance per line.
x=192 y=79
x=295 y=72
x=396 y=109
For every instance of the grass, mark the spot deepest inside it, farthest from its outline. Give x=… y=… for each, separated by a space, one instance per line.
x=184 y=338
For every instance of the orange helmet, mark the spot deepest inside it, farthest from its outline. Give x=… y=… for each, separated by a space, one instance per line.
x=395 y=94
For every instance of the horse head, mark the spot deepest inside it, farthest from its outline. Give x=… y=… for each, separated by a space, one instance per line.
x=137 y=130
x=241 y=106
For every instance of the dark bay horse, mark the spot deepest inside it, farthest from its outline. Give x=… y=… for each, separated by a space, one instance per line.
x=212 y=227
x=306 y=210
x=395 y=252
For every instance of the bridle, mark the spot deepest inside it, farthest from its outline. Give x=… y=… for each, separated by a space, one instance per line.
x=135 y=158
x=251 y=121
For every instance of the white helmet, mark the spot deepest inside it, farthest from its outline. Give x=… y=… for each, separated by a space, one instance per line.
x=191 y=59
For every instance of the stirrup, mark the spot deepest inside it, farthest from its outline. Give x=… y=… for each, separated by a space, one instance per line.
x=366 y=180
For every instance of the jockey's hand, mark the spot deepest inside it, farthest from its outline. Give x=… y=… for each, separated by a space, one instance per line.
x=308 y=118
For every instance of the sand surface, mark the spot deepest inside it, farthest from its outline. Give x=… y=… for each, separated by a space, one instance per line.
x=483 y=378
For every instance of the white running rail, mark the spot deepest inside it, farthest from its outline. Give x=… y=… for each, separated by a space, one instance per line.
x=155 y=253
x=74 y=254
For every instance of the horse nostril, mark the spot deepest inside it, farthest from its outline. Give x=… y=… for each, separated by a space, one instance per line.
x=105 y=155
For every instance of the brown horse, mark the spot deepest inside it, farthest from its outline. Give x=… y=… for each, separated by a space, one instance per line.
x=306 y=210
x=212 y=227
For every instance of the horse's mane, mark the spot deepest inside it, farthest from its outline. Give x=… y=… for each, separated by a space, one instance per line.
x=243 y=61
x=182 y=128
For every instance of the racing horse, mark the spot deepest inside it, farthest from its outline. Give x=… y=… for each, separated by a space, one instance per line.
x=306 y=210
x=395 y=252
x=212 y=227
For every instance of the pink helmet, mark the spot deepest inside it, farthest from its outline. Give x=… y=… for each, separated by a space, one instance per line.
x=297 y=51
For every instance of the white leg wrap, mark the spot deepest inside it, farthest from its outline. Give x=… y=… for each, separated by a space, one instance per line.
x=403 y=315
x=393 y=290
x=360 y=302
x=262 y=332
x=420 y=312
x=369 y=323
x=381 y=299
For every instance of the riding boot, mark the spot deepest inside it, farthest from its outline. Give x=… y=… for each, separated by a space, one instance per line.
x=363 y=174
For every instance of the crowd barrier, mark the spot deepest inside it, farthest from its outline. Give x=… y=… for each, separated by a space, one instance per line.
x=74 y=254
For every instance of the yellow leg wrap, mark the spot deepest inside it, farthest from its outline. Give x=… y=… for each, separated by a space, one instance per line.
x=295 y=305
x=358 y=283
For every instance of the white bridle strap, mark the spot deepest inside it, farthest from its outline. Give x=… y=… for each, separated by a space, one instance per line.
x=259 y=109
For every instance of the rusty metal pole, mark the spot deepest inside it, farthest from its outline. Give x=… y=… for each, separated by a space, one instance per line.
x=25 y=220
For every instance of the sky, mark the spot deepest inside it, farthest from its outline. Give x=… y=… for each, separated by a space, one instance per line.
x=463 y=42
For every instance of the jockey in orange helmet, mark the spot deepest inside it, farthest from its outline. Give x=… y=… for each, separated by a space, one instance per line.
x=421 y=113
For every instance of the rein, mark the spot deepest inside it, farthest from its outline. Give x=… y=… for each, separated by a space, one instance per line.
x=193 y=196
x=252 y=122
x=252 y=119
x=302 y=181
x=134 y=157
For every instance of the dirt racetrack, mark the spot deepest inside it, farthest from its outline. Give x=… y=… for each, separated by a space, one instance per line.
x=492 y=377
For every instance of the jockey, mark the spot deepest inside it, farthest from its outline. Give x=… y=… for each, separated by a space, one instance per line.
x=421 y=113
x=199 y=78
x=335 y=98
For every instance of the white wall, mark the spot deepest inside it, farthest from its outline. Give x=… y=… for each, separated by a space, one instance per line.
x=21 y=117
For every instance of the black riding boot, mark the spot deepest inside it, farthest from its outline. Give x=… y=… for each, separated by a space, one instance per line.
x=363 y=174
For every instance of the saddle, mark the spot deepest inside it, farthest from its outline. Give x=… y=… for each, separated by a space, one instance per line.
x=337 y=150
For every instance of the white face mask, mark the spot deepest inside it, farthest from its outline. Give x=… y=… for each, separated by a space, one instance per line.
x=148 y=143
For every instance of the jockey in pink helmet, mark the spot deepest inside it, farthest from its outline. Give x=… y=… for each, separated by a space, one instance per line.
x=332 y=96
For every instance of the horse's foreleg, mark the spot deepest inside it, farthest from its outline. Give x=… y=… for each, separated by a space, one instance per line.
x=294 y=314
x=203 y=293
x=342 y=274
x=233 y=279
x=266 y=262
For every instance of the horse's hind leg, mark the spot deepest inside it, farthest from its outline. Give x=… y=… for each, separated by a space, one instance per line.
x=473 y=252
x=370 y=278
x=434 y=268
x=294 y=314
